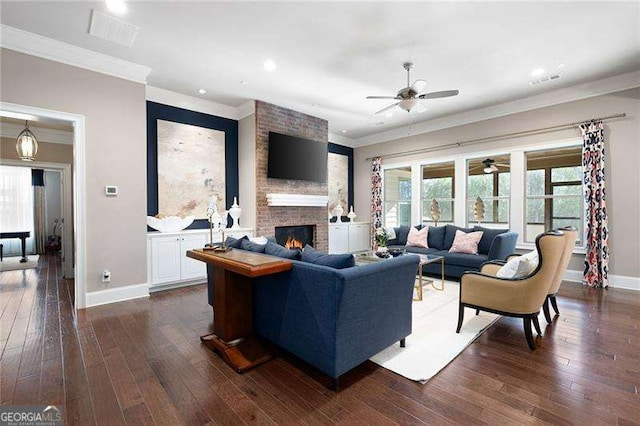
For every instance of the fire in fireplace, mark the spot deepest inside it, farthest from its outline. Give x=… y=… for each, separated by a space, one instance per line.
x=294 y=237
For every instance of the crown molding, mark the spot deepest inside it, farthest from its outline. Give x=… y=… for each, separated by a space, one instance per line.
x=341 y=140
x=246 y=109
x=568 y=94
x=167 y=97
x=12 y=130
x=54 y=50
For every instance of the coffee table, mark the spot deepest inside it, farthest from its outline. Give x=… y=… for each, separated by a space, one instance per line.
x=426 y=259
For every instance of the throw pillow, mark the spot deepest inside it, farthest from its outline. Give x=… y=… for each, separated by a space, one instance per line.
x=259 y=240
x=466 y=242
x=391 y=233
x=519 y=266
x=418 y=238
x=235 y=242
x=277 y=250
x=338 y=261
x=248 y=245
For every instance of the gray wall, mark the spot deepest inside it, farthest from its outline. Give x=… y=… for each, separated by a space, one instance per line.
x=115 y=114
x=622 y=161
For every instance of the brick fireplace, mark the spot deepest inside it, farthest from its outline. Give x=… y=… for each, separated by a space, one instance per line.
x=273 y=118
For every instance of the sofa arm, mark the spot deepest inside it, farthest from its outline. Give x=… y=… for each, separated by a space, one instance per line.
x=503 y=245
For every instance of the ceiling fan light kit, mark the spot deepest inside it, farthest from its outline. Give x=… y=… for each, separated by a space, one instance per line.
x=408 y=97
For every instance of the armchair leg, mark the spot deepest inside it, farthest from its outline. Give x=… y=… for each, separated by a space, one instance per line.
x=527 y=332
x=460 y=317
x=536 y=324
x=477 y=311
x=554 y=304
x=545 y=308
x=402 y=343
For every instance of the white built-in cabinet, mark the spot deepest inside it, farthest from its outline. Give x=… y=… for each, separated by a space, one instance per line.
x=349 y=237
x=167 y=262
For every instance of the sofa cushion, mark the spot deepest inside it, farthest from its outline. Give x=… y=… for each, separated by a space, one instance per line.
x=402 y=233
x=450 y=235
x=471 y=261
x=435 y=238
x=275 y=249
x=466 y=242
x=235 y=242
x=391 y=232
x=419 y=250
x=338 y=261
x=487 y=238
x=246 y=244
x=418 y=238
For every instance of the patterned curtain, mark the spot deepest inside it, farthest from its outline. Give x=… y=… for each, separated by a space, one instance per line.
x=376 y=197
x=596 y=263
x=37 y=181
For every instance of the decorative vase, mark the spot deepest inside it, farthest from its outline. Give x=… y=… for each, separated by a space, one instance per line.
x=337 y=211
x=234 y=212
x=352 y=216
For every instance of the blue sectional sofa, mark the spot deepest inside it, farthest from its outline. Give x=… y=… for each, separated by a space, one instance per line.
x=334 y=319
x=496 y=244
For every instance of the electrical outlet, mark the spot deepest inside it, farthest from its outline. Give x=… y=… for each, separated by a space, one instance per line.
x=106 y=276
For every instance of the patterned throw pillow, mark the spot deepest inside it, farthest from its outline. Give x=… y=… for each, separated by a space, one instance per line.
x=466 y=242
x=418 y=238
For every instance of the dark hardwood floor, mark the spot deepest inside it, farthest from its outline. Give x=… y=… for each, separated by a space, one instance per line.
x=141 y=362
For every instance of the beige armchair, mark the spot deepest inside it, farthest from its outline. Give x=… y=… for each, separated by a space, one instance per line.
x=570 y=236
x=519 y=297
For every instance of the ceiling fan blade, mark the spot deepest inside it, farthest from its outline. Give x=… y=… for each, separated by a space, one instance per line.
x=419 y=85
x=442 y=94
x=387 y=108
x=382 y=97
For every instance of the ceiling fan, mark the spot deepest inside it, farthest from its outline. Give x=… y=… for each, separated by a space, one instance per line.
x=490 y=166
x=409 y=97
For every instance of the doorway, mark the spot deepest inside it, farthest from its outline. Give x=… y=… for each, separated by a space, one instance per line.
x=72 y=178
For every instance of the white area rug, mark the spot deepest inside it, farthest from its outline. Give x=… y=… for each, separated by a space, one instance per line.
x=13 y=263
x=434 y=343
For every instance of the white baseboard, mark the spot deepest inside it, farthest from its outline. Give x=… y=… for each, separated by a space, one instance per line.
x=615 y=281
x=118 y=294
x=171 y=286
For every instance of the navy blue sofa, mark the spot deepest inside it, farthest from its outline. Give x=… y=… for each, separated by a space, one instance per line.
x=335 y=319
x=496 y=244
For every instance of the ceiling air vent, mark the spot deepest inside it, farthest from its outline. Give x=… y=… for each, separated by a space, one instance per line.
x=544 y=79
x=112 y=29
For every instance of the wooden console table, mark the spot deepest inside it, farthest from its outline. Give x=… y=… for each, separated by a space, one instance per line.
x=232 y=336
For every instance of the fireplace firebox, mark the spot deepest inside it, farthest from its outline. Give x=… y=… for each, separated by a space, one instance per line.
x=295 y=236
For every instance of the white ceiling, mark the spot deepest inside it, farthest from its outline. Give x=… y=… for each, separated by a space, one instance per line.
x=330 y=56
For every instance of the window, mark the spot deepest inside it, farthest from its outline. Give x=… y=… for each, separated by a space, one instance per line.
x=397 y=197
x=491 y=182
x=554 y=191
x=16 y=206
x=438 y=183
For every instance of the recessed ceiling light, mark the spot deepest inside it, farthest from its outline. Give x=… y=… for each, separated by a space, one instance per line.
x=537 y=72
x=389 y=114
x=116 y=6
x=243 y=82
x=202 y=91
x=269 y=65
x=344 y=131
x=561 y=65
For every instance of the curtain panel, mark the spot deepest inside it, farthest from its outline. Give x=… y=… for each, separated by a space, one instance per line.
x=376 y=197
x=37 y=181
x=596 y=263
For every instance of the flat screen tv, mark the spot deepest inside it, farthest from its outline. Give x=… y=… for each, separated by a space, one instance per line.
x=296 y=158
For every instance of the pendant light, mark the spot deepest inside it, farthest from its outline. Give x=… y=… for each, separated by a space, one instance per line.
x=27 y=144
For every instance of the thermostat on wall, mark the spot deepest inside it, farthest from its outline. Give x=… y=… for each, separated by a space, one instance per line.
x=111 y=190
